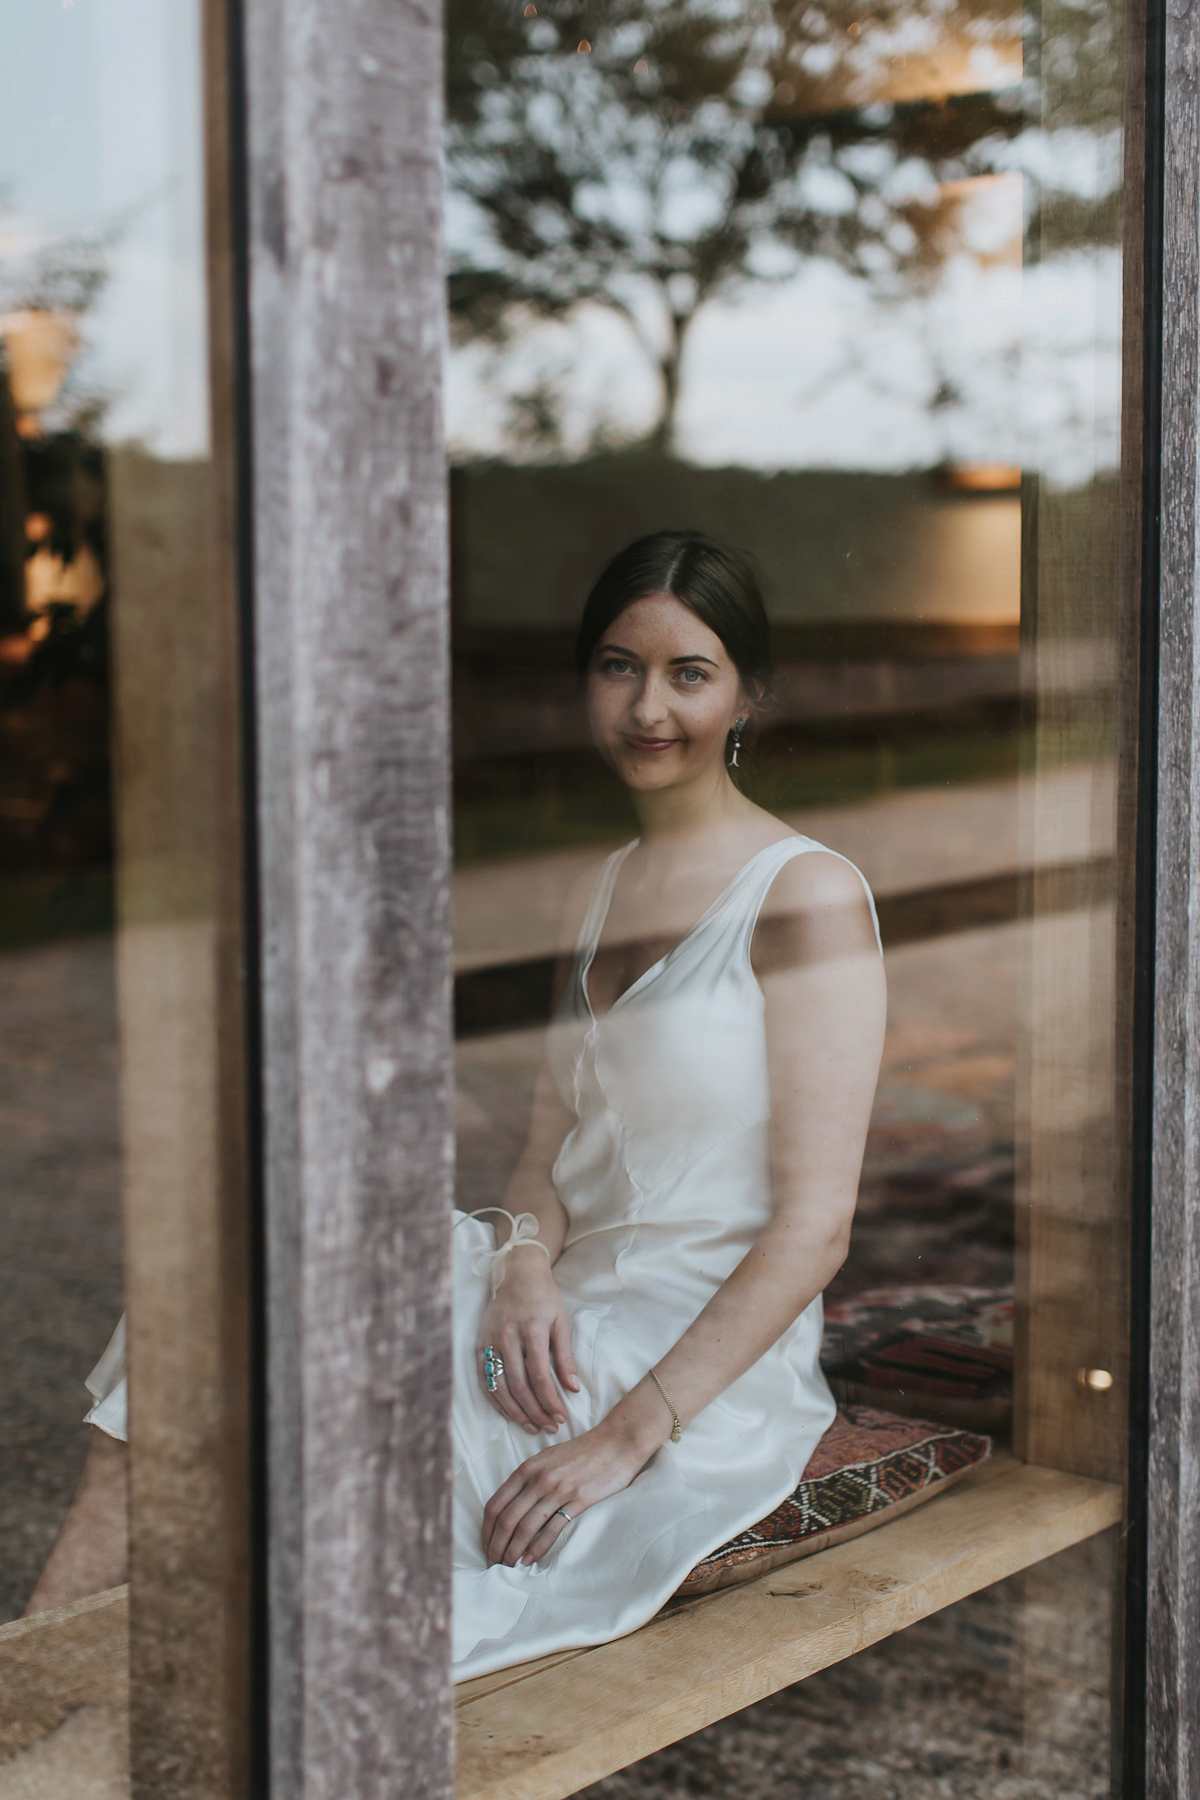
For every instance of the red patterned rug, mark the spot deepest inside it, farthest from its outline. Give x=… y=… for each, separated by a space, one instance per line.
x=868 y=1467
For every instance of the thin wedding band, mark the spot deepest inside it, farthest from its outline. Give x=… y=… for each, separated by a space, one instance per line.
x=566 y=1515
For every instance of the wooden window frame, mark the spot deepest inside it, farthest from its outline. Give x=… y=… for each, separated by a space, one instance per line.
x=326 y=646
x=345 y=322
x=1163 y=1637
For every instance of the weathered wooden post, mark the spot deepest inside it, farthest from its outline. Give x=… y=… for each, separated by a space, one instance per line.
x=343 y=104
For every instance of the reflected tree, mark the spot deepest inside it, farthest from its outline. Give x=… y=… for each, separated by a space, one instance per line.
x=651 y=157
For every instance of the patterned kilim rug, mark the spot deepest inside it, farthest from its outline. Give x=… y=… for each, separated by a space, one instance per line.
x=869 y=1466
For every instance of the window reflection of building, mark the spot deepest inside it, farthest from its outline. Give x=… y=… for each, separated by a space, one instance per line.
x=62 y=1231
x=103 y=463
x=54 y=807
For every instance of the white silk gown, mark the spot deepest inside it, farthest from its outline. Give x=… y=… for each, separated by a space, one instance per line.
x=666 y=1182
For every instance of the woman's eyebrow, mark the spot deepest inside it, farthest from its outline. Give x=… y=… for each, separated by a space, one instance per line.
x=620 y=650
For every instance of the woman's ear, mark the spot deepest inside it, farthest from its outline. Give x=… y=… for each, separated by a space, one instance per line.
x=754 y=694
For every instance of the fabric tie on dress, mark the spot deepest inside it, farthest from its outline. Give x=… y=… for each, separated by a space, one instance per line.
x=524 y=1231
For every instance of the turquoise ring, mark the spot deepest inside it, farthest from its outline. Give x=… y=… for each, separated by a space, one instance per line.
x=493 y=1368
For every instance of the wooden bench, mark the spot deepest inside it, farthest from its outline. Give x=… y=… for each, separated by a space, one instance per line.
x=546 y=1729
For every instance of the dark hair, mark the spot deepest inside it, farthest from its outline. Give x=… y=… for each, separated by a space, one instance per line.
x=717 y=584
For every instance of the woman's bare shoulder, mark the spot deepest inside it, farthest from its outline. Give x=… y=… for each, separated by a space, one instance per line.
x=815 y=880
x=816 y=911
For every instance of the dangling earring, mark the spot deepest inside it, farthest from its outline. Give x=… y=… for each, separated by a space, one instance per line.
x=738 y=726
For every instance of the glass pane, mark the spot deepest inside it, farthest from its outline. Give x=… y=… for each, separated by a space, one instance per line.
x=839 y=289
x=104 y=500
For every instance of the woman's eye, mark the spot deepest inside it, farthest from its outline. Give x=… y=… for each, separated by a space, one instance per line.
x=692 y=677
x=615 y=665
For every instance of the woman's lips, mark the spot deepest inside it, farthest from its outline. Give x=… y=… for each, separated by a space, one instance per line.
x=648 y=743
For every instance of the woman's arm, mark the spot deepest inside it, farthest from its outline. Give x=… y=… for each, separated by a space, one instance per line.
x=91 y=1552
x=525 y=1319
x=821 y=973
x=822 y=976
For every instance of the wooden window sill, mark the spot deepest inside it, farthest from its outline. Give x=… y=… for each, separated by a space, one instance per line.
x=546 y=1729
x=77 y=1655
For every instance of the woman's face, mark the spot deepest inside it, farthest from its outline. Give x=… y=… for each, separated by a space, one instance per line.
x=662 y=694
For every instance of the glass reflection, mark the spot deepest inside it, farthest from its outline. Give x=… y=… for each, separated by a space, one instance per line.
x=841 y=288
x=102 y=351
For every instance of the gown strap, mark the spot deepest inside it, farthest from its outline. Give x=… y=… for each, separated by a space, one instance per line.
x=762 y=870
x=598 y=905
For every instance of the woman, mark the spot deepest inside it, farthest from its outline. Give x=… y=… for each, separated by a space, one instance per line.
x=653 y=1320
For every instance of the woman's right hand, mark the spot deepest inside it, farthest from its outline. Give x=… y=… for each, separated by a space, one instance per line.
x=527 y=1323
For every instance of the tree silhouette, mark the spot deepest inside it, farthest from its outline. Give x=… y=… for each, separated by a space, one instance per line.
x=648 y=156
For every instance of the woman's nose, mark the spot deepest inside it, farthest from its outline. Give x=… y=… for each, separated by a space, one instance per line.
x=650 y=705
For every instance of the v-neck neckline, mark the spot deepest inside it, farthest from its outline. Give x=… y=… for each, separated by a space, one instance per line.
x=656 y=968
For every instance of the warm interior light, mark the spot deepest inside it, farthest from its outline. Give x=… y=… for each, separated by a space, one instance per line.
x=14 y=651
x=990 y=217
x=38 y=347
x=583 y=47
x=876 y=66
x=1099 y=1380
x=982 y=478
x=49 y=581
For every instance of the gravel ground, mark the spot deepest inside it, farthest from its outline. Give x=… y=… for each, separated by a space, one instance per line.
x=60 y=1233
x=1002 y=1697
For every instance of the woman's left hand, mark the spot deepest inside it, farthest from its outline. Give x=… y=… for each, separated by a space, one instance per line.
x=522 y=1519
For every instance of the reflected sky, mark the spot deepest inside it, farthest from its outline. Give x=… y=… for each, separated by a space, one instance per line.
x=100 y=156
x=817 y=374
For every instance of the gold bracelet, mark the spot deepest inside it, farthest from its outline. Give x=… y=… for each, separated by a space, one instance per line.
x=676 y=1426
